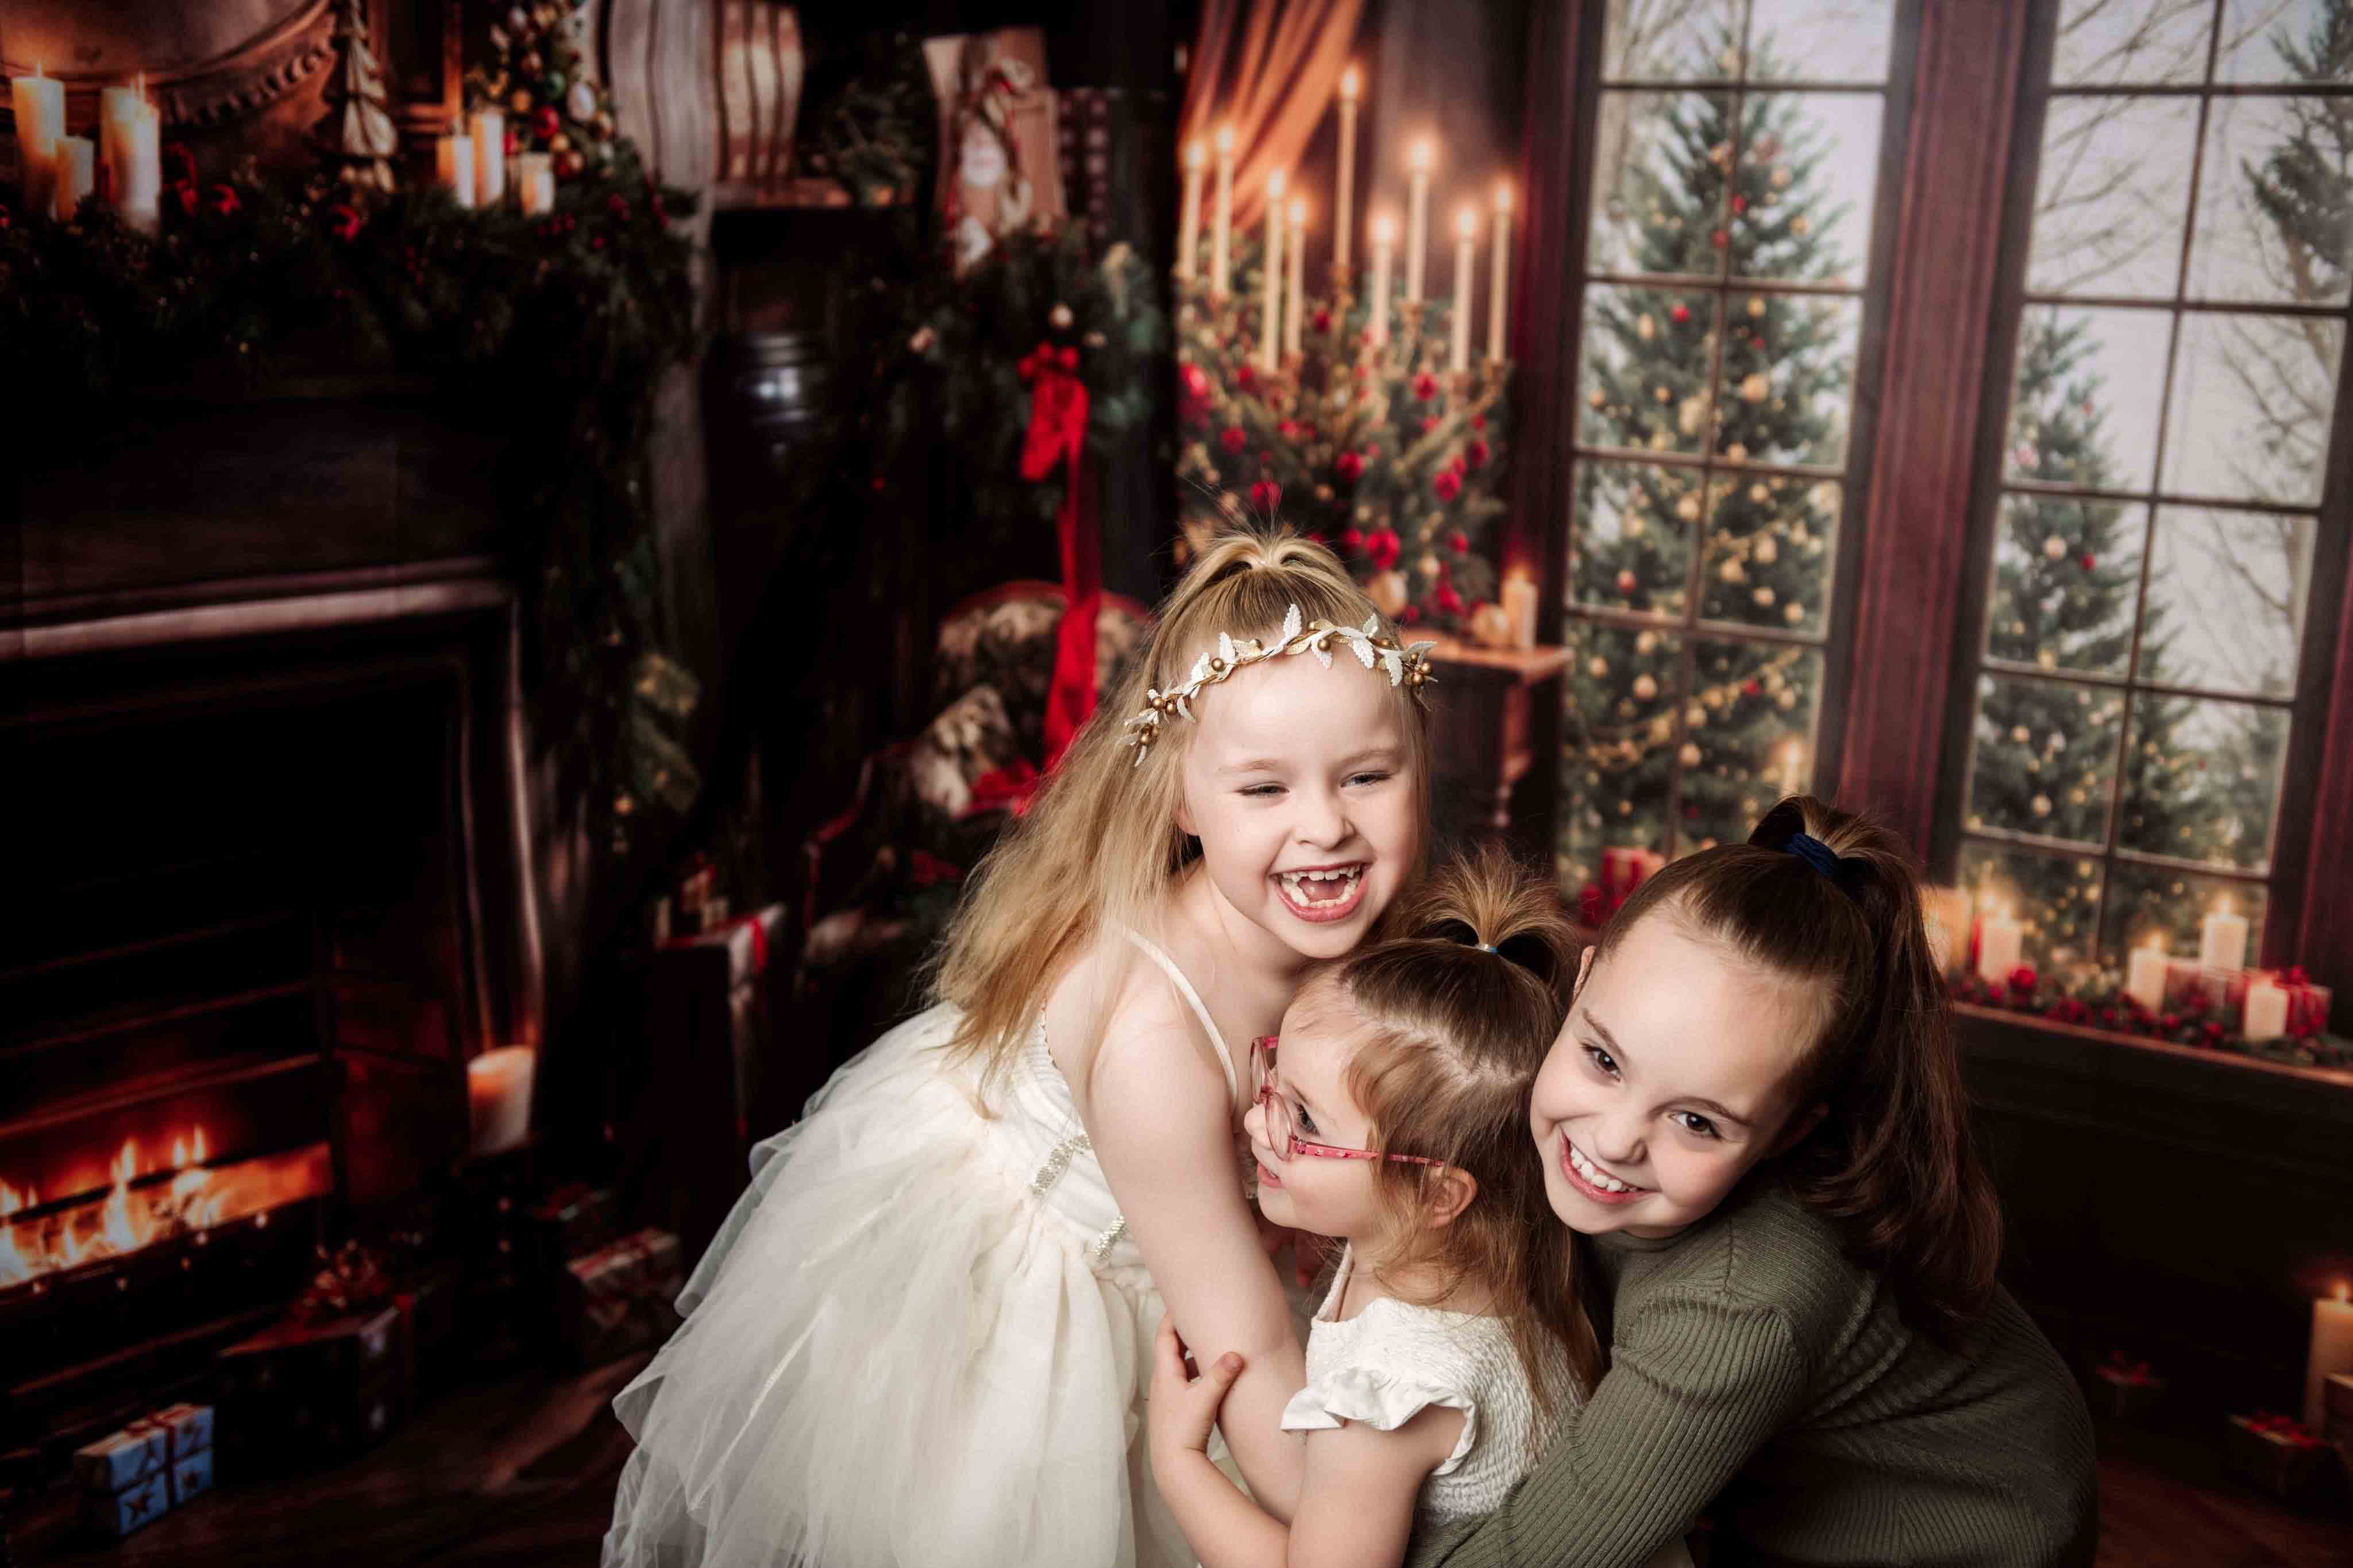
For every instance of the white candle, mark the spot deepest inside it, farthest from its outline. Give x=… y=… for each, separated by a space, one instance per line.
x=454 y=160
x=489 y=138
x=498 y=1097
x=1221 y=223
x=2145 y=974
x=2223 y=938
x=1946 y=914
x=2332 y=1350
x=1466 y=237
x=1196 y=163
x=1519 y=604
x=77 y=177
x=1376 y=322
x=1417 y=220
x=131 y=150
x=534 y=179
x=2267 y=1016
x=1344 y=206
x=1294 y=303
x=1500 y=282
x=40 y=105
x=2000 y=939
x=1269 y=335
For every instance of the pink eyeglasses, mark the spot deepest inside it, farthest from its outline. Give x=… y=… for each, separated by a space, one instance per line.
x=1283 y=1133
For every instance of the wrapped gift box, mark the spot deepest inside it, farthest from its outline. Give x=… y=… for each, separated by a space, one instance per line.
x=2272 y=1452
x=192 y=1476
x=123 y=1459
x=619 y=1297
x=135 y=1506
x=340 y=1350
x=300 y=1393
x=187 y=1428
x=2124 y=1389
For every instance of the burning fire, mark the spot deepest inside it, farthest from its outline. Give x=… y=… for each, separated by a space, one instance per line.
x=138 y=1208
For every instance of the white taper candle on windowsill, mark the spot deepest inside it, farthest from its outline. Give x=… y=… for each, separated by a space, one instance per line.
x=1466 y=239
x=2223 y=938
x=1343 y=203
x=534 y=182
x=1196 y=164
x=1520 y=606
x=1270 y=334
x=1500 y=283
x=489 y=134
x=2145 y=973
x=1416 y=216
x=1294 y=259
x=2266 y=1014
x=1221 y=221
x=40 y=102
x=1377 y=318
x=2001 y=941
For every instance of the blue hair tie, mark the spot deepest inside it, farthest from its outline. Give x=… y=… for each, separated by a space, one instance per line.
x=1485 y=946
x=1842 y=870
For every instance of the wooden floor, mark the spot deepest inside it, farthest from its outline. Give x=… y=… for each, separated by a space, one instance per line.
x=520 y=1474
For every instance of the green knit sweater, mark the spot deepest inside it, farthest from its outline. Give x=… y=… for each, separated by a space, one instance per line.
x=1757 y=1375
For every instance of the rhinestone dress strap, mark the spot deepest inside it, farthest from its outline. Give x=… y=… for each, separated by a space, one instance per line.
x=1209 y=1025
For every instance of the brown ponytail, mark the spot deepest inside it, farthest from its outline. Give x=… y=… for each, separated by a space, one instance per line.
x=1454 y=1035
x=1893 y=1161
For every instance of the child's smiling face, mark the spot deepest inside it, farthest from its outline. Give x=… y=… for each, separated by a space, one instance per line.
x=1667 y=1082
x=1300 y=784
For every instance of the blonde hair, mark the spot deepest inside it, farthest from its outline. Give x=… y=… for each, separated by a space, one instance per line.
x=1450 y=1038
x=1100 y=846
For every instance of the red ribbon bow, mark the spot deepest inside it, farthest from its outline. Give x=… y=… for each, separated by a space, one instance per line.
x=1058 y=434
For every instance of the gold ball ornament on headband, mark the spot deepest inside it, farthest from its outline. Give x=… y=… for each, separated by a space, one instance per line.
x=1406 y=666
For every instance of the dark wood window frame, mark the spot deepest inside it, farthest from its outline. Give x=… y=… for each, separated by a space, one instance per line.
x=1916 y=579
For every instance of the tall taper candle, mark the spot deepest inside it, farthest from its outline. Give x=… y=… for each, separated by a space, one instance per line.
x=1270 y=336
x=40 y=105
x=1197 y=161
x=2223 y=938
x=1417 y=217
x=1501 y=281
x=1221 y=223
x=77 y=166
x=1466 y=238
x=1376 y=319
x=1344 y=203
x=2331 y=1351
x=489 y=138
x=1294 y=257
x=2145 y=973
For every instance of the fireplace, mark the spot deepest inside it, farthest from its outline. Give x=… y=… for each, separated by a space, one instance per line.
x=272 y=891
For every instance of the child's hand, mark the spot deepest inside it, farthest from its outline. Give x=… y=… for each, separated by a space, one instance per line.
x=1184 y=1407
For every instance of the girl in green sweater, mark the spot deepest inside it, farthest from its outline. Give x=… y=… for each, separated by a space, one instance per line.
x=1755 y=1118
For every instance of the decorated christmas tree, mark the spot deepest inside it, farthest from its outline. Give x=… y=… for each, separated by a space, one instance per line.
x=1734 y=715
x=1376 y=448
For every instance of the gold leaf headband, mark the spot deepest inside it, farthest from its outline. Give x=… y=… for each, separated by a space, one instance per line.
x=1406 y=666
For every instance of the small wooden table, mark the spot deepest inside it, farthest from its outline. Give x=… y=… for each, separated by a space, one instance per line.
x=1481 y=730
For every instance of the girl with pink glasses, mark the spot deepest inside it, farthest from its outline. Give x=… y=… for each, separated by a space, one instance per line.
x=1392 y=1115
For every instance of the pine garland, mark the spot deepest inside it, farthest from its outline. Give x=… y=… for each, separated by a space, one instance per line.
x=554 y=328
x=2096 y=999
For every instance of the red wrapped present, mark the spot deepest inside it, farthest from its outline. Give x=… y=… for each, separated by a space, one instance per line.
x=2274 y=1452
x=134 y=1507
x=122 y=1459
x=1625 y=869
x=619 y=1297
x=2124 y=1388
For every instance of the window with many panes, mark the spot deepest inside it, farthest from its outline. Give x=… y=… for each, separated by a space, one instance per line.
x=1725 y=308
x=2174 y=341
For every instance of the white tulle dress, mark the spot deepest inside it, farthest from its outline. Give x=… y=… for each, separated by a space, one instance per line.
x=923 y=1337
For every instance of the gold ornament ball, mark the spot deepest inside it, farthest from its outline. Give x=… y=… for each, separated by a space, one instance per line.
x=1491 y=626
x=521 y=102
x=1794 y=613
x=1754 y=388
x=1735 y=453
x=1689 y=756
x=1688 y=508
x=1645 y=687
x=1388 y=592
x=1756 y=304
x=559 y=142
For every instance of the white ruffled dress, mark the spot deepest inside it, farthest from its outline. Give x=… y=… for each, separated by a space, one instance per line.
x=923 y=1337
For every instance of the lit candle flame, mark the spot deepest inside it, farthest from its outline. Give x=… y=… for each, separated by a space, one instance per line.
x=1466 y=224
x=1225 y=138
x=1348 y=82
x=1196 y=154
x=1298 y=212
x=1274 y=183
x=1420 y=155
x=1384 y=229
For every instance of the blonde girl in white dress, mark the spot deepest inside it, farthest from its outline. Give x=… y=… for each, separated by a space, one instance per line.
x=924 y=1335
x=1392 y=1116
